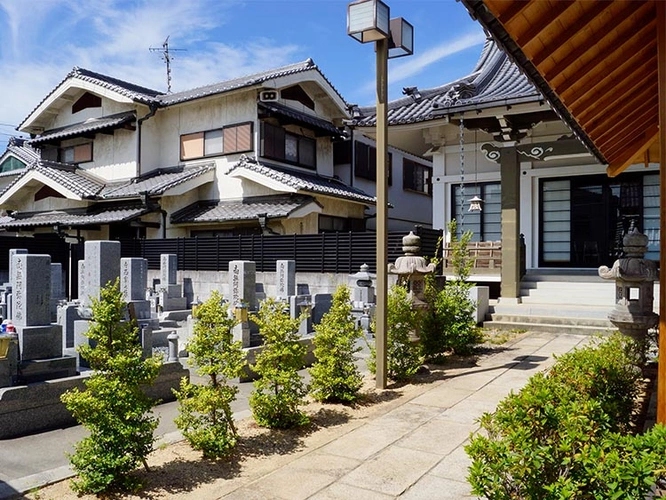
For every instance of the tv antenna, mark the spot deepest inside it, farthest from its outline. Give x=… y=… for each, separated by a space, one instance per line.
x=166 y=57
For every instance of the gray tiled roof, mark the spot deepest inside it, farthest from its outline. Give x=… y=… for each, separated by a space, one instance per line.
x=154 y=183
x=495 y=79
x=87 y=186
x=22 y=150
x=160 y=99
x=243 y=81
x=318 y=124
x=240 y=210
x=68 y=176
x=135 y=92
x=309 y=183
x=104 y=123
x=98 y=214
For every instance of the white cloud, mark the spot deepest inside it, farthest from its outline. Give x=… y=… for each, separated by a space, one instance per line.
x=42 y=43
x=411 y=66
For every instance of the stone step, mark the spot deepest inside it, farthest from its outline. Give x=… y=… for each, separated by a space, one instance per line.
x=571 y=298
x=547 y=327
x=552 y=310
x=552 y=320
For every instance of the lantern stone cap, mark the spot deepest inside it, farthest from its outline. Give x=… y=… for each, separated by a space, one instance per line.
x=635 y=243
x=411 y=244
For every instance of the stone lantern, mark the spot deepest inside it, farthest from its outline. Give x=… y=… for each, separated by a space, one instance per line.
x=412 y=269
x=634 y=279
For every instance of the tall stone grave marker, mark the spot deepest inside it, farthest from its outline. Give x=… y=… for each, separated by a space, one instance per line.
x=243 y=283
x=286 y=278
x=9 y=297
x=133 y=284
x=168 y=269
x=82 y=280
x=57 y=289
x=170 y=292
x=38 y=338
x=102 y=265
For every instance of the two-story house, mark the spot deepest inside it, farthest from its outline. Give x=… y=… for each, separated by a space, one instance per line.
x=249 y=155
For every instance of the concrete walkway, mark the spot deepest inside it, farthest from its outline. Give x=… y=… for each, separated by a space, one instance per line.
x=413 y=450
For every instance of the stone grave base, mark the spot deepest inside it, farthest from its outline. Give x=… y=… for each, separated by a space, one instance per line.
x=40 y=342
x=31 y=408
x=251 y=358
x=39 y=370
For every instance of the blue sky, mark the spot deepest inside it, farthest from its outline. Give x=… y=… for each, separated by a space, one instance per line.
x=41 y=40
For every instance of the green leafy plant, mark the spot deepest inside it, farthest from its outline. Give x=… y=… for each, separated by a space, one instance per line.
x=205 y=414
x=113 y=407
x=279 y=391
x=558 y=438
x=335 y=376
x=402 y=353
x=448 y=325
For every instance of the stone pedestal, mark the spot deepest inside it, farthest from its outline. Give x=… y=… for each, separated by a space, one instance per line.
x=39 y=342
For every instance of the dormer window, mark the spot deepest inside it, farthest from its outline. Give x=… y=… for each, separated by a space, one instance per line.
x=86 y=101
x=11 y=163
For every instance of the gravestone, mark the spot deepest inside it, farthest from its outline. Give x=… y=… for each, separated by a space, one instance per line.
x=168 y=269
x=243 y=283
x=12 y=252
x=286 y=278
x=57 y=289
x=38 y=338
x=170 y=293
x=133 y=284
x=102 y=266
x=82 y=280
x=9 y=297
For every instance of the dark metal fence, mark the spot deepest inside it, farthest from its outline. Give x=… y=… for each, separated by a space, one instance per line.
x=318 y=253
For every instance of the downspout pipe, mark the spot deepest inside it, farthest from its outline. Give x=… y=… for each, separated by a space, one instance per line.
x=139 y=122
x=148 y=203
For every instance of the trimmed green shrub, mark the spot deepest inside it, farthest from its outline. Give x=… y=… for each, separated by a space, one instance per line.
x=402 y=353
x=448 y=325
x=279 y=391
x=608 y=371
x=557 y=438
x=113 y=407
x=205 y=415
x=335 y=376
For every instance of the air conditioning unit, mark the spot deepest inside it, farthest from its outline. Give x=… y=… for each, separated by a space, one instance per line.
x=269 y=95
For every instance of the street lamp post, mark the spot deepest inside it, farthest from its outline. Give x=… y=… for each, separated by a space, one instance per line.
x=369 y=21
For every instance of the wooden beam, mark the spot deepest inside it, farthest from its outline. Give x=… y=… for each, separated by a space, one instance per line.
x=554 y=12
x=626 y=51
x=608 y=120
x=509 y=13
x=661 y=63
x=599 y=36
x=637 y=67
x=593 y=110
x=622 y=163
x=572 y=30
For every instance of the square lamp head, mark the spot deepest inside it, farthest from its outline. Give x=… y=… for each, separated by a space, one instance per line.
x=401 y=42
x=368 y=20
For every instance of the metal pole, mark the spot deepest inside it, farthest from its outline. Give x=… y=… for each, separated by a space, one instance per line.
x=382 y=209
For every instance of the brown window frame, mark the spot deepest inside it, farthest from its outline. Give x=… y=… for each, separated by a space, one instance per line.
x=82 y=153
x=196 y=141
x=274 y=140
